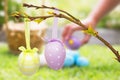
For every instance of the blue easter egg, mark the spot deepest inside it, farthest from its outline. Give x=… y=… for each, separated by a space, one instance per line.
x=75 y=54
x=69 y=61
x=82 y=61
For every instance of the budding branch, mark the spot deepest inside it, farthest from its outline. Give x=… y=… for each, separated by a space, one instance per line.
x=65 y=15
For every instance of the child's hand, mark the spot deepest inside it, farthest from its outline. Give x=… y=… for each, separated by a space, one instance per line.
x=71 y=28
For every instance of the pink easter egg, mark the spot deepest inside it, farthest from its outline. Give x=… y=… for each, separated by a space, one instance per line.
x=55 y=54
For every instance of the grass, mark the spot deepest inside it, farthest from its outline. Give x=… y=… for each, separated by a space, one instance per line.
x=102 y=66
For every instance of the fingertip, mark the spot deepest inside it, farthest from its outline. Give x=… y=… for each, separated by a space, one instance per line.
x=63 y=40
x=67 y=37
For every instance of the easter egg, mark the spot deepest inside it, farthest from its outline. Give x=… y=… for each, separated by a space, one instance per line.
x=82 y=61
x=69 y=61
x=28 y=63
x=42 y=60
x=73 y=43
x=74 y=53
x=55 y=54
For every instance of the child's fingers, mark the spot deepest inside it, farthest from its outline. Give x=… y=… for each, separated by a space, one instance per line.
x=68 y=30
x=69 y=33
x=65 y=32
x=85 y=39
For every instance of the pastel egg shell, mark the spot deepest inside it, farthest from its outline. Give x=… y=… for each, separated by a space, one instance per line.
x=75 y=43
x=82 y=61
x=55 y=54
x=69 y=61
x=28 y=63
x=74 y=53
x=42 y=59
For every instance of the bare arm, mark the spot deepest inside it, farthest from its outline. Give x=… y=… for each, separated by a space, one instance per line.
x=102 y=8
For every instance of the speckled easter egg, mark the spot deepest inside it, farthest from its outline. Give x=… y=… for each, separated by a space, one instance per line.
x=28 y=63
x=82 y=61
x=55 y=54
x=73 y=43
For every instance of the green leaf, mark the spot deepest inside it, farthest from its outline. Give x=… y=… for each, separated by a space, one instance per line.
x=27 y=20
x=39 y=20
x=50 y=12
x=15 y=14
x=24 y=14
x=90 y=31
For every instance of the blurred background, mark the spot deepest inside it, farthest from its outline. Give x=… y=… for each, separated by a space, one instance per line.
x=102 y=65
x=78 y=8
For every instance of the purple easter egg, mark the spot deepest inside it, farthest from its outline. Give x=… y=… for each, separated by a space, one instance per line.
x=73 y=43
x=55 y=54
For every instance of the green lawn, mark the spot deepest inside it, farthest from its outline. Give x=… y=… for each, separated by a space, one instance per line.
x=102 y=66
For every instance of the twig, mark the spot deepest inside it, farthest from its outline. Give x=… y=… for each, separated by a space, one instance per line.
x=70 y=18
x=46 y=7
x=110 y=47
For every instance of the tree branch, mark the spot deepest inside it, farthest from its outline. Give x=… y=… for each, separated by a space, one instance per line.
x=46 y=7
x=70 y=18
x=110 y=47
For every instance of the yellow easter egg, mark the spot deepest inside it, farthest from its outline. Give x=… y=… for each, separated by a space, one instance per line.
x=28 y=63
